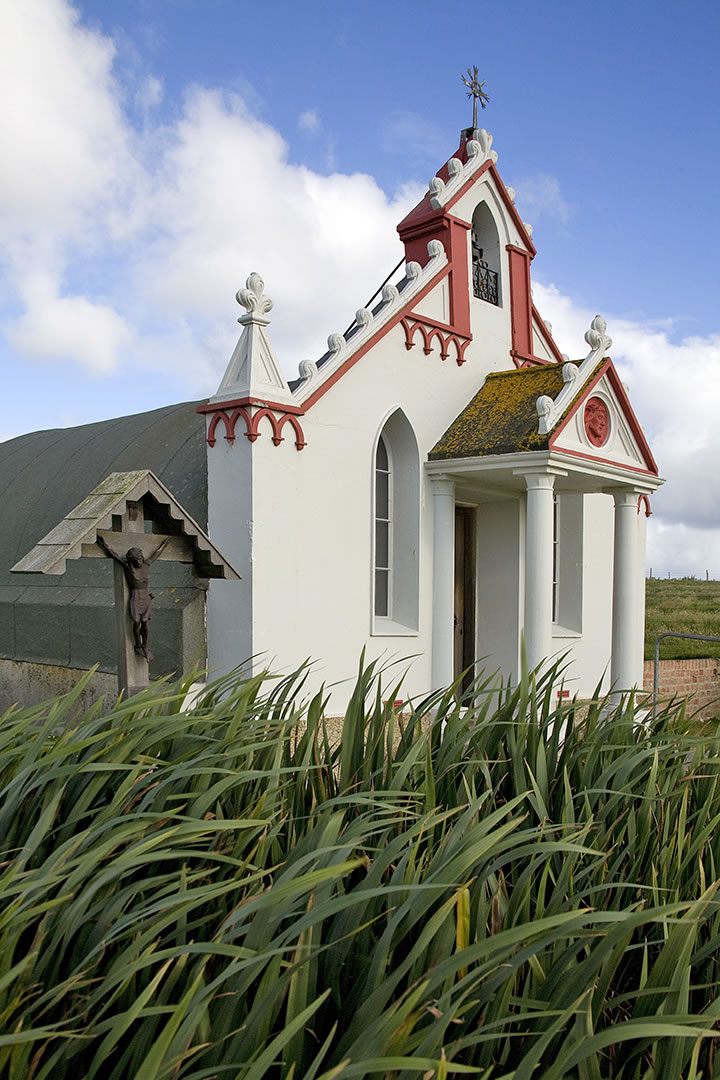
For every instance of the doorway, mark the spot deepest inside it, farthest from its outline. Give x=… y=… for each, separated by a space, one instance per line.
x=464 y=592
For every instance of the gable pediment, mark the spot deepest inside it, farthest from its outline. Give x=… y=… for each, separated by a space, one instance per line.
x=601 y=424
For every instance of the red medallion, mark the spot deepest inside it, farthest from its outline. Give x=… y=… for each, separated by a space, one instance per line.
x=597 y=421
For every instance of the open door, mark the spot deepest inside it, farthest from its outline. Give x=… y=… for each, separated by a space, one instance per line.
x=464 y=591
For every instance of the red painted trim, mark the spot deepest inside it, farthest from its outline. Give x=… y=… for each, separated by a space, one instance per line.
x=218 y=406
x=520 y=302
x=252 y=422
x=445 y=339
x=523 y=360
x=644 y=499
x=452 y=234
x=424 y=210
x=601 y=461
x=512 y=210
x=546 y=335
x=626 y=408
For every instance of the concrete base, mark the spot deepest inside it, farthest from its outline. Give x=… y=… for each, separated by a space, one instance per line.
x=25 y=684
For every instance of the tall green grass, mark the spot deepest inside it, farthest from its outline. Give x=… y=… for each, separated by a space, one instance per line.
x=496 y=887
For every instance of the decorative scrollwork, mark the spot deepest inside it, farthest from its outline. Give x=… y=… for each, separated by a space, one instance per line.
x=596 y=336
x=544 y=406
x=363 y=317
x=307 y=369
x=390 y=294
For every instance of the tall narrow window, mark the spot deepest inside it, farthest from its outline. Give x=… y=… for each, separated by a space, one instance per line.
x=396 y=527
x=383 y=527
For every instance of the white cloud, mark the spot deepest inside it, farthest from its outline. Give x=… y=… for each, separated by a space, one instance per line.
x=309 y=121
x=540 y=196
x=147 y=236
x=70 y=328
x=64 y=139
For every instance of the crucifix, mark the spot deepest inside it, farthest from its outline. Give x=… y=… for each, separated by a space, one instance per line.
x=133 y=519
x=475 y=91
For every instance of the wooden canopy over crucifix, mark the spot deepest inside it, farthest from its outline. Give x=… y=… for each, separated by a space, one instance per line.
x=133 y=518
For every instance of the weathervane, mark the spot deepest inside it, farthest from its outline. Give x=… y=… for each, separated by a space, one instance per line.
x=475 y=91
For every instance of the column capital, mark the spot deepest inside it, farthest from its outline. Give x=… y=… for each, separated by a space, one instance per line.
x=442 y=484
x=626 y=496
x=540 y=477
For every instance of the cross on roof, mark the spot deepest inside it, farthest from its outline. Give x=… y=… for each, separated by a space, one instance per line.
x=475 y=91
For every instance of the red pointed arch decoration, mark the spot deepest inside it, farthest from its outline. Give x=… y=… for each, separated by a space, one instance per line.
x=251 y=412
x=430 y=331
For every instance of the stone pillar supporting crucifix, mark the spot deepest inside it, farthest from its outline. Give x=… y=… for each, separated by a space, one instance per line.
x=133 y=519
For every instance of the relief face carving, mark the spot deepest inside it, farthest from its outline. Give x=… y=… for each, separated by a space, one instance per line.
x=597 y=421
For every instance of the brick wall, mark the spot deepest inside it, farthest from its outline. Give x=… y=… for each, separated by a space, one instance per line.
x=697 y=680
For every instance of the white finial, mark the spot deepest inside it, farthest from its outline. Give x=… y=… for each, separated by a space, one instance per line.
x=253 y=371
x=252 y=298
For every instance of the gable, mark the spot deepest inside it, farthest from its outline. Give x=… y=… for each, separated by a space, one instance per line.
x=601 y=425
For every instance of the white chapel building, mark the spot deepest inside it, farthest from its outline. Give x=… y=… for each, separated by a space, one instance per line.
x=442 y=485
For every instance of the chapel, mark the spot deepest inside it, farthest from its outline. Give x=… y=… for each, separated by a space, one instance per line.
x=442 y=487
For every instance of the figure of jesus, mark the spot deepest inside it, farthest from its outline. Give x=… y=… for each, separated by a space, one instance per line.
x=137 y=575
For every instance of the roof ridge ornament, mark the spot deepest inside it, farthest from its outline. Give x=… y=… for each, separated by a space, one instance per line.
x=475 y=91
x=252 y=298
x=253 y=370
x=574 y=376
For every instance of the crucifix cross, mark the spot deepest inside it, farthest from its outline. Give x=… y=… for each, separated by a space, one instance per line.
x=475 y=91
x=132 y=518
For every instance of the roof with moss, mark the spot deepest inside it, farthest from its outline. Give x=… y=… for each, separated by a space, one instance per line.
x=502 y=418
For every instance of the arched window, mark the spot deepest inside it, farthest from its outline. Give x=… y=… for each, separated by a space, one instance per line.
x=383 y=526
x=485 y=256
x=396 y=538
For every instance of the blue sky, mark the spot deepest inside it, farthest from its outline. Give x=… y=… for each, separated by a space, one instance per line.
x=157 y=151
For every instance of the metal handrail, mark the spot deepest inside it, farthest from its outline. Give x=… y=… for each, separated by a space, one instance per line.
x=656 y=656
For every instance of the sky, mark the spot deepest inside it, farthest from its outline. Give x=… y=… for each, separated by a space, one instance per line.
x=156 y=152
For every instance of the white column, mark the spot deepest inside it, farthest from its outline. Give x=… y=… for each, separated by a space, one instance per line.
x=443 y=489
x=538 y=567
x=626 y=628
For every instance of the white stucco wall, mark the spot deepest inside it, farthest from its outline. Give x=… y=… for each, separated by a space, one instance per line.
x=300 y=528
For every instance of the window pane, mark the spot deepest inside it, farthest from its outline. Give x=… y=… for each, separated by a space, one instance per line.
x=382 y=504
x=382 y=547
x=381 y=592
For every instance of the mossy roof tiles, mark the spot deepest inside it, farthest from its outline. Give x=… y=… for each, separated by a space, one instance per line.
x=502 y=418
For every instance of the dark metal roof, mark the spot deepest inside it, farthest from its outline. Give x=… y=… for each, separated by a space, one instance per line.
x=69 y=620
x=45 y=473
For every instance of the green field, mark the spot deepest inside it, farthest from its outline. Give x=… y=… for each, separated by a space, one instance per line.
x=686 y=606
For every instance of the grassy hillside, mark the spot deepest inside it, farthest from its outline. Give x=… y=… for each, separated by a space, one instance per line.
x=686 y=606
